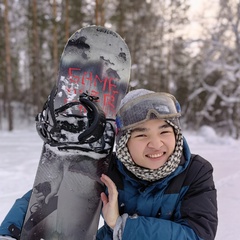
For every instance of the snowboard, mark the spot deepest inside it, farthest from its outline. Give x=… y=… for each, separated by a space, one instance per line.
x=77 y=125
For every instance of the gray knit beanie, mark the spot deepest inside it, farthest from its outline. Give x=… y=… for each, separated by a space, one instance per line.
x=134 y=94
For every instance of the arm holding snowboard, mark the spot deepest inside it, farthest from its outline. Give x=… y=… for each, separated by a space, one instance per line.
x=13 y=222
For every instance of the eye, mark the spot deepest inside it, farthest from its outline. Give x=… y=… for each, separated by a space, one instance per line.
x=140 y=135
x=167 y=131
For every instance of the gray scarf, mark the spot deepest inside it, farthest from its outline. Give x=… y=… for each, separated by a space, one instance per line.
x=145 y=173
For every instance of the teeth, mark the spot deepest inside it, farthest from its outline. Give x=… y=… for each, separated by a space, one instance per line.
x=155 y=155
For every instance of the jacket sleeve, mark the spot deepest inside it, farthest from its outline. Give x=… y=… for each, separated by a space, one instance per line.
x=195 y=217
x=16 y=215
x=140 y=228
x=199 y=206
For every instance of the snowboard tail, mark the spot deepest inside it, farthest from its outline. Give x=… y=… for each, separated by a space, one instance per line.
x=77 y=125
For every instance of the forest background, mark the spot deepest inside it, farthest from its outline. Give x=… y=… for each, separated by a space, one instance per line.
x=190 y=48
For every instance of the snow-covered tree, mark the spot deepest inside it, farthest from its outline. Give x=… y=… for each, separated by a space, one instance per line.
x=215 y=98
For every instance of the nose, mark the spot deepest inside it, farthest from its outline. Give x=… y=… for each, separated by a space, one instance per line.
x=155 y=143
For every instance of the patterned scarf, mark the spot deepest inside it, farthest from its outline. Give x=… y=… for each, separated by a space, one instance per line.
x=145 y=173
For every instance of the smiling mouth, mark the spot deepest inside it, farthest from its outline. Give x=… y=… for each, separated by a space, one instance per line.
x=155 y=155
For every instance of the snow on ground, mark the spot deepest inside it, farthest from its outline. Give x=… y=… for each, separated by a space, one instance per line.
x=20 y=152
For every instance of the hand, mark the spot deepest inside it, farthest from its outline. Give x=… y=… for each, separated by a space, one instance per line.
x=110 y=204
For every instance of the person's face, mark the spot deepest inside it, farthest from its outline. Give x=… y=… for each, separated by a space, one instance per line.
x=151 y=143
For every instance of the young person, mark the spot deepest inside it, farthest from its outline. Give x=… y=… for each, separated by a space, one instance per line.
x=155 y=187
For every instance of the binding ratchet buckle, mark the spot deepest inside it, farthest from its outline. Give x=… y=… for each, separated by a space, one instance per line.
x=61 y=127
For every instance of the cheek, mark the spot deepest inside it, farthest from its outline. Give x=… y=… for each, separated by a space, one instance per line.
x=172 y=143
x=133 y=147
x=135 y=151
x=130 y=146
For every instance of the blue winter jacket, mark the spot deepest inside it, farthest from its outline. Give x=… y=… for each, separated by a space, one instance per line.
x=181 y=206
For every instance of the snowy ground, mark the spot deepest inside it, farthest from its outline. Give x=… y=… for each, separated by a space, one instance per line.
x=20 y=151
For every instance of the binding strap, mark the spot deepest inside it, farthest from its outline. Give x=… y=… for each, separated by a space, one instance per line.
x=96 y=120
x=50 y=122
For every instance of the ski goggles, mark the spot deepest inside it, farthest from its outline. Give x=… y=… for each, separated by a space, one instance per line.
x=149 y=106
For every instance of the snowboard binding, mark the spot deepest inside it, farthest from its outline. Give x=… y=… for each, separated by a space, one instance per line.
x=62 y=128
